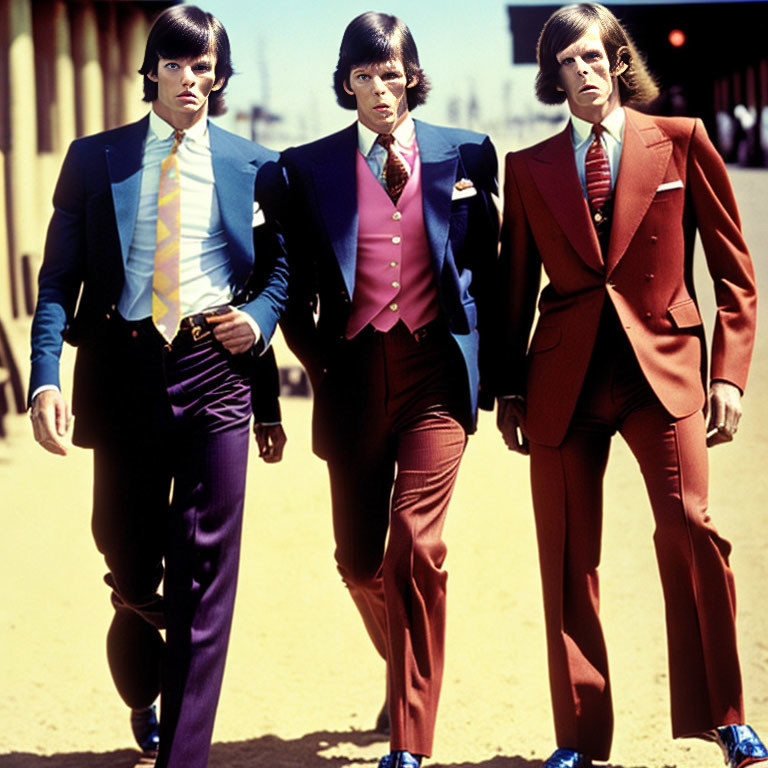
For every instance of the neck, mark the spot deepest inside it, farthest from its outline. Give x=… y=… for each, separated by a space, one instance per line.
x=180 y=121
x=598 y=112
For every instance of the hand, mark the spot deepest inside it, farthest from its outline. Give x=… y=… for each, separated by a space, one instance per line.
x=234 y=330
x=724 y=412
x=271 y=440
x=50 y=420
x=510 y=417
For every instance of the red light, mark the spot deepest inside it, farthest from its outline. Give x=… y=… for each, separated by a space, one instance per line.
x=676 y=38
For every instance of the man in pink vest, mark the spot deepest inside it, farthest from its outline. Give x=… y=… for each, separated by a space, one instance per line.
x=392 y=235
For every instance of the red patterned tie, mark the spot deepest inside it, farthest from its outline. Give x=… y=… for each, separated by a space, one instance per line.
x=598 y=174
x=395 y=172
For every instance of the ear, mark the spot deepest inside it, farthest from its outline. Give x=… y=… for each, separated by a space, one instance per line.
x=152 y=76
x=218 y=85
x=347 y=89
x=623 y=60
x=413 y=82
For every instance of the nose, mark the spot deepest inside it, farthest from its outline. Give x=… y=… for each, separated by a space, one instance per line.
x=378 y=85
x=187 y=76
x=581 y=65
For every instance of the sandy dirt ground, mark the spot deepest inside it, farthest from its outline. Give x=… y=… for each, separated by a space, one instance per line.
x=303 y=685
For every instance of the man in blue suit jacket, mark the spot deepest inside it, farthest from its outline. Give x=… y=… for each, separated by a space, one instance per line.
x=391 y=237
x=167 y=414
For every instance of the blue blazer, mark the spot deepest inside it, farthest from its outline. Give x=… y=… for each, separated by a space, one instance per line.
x=322 y=240
x=95 y=207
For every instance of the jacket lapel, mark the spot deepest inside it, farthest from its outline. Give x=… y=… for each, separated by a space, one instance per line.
x=554 y=172
x=645 y=154
x=234 y=173
x=335 y=181
x=124 y=161
x=439 y=164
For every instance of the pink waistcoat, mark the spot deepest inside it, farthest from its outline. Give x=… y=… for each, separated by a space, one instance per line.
x=394 y=279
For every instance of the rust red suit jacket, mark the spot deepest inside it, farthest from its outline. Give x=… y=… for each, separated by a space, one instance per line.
x=671 y=182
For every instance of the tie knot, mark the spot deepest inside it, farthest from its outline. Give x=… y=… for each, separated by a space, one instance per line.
x=177 y=138
x=597 y=130
x=386 y=140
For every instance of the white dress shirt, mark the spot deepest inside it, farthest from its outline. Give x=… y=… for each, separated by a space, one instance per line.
x=205 y=270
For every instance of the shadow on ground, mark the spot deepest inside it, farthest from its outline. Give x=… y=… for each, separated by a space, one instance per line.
x=323 y=749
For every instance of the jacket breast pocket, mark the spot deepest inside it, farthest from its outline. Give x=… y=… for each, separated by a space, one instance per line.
x=545 y=338
x=684 y=314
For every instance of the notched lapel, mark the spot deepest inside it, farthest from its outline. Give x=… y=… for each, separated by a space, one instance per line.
x=645 y=155
x=124 y=162
x=234 y=173
x=336 y=185
x=439 y=164
x=553 y=170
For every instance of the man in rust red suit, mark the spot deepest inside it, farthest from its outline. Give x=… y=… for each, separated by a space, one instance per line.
x=609 y=208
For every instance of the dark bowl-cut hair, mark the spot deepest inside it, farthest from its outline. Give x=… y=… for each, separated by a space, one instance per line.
x=565 y=26
x=185 y=31
x=373 y=38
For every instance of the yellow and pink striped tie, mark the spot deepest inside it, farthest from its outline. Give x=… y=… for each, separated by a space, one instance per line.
x=166 y=303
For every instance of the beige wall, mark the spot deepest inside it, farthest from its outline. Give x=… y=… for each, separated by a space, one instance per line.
x=84 y=55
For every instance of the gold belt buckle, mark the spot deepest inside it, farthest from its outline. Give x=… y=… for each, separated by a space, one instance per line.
x=198 y=332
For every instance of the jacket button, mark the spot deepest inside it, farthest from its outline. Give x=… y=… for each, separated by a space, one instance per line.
x=649 y=314
x=649 y=276
x=654 y=239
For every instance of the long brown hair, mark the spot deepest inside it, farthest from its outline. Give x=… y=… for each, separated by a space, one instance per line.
x=565 y=26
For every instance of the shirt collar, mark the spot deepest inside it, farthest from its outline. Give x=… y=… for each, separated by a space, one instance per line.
x=404 y=134
x=163 y=130
x=613 y=124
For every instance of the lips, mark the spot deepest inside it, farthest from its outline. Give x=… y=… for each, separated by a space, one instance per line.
x=187 y=96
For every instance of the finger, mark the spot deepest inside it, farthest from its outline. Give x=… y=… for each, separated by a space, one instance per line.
x=716 y=414
x=62 y=420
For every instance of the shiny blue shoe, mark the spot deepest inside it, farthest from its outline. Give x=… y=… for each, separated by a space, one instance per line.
x=740 y=744
x=400 y=759
x=146 y=729
x=567 y=758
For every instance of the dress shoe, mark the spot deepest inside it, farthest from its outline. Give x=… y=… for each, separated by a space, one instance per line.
x=567 y=758
x=400 y=759
x=146 y=729
x=740 y=744
x=382 y=720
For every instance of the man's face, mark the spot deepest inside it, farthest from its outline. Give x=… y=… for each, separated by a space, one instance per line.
x=380 y=91
x=183 y=87
x=585 y=76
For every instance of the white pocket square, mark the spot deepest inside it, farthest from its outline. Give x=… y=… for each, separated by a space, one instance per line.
x=466 y=192
x=670 y=185
x=258 y=216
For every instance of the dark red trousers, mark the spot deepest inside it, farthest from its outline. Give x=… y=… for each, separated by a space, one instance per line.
x=398 y=447
x=705 y=679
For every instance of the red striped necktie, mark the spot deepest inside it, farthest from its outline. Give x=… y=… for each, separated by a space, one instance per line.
x=598 y=175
